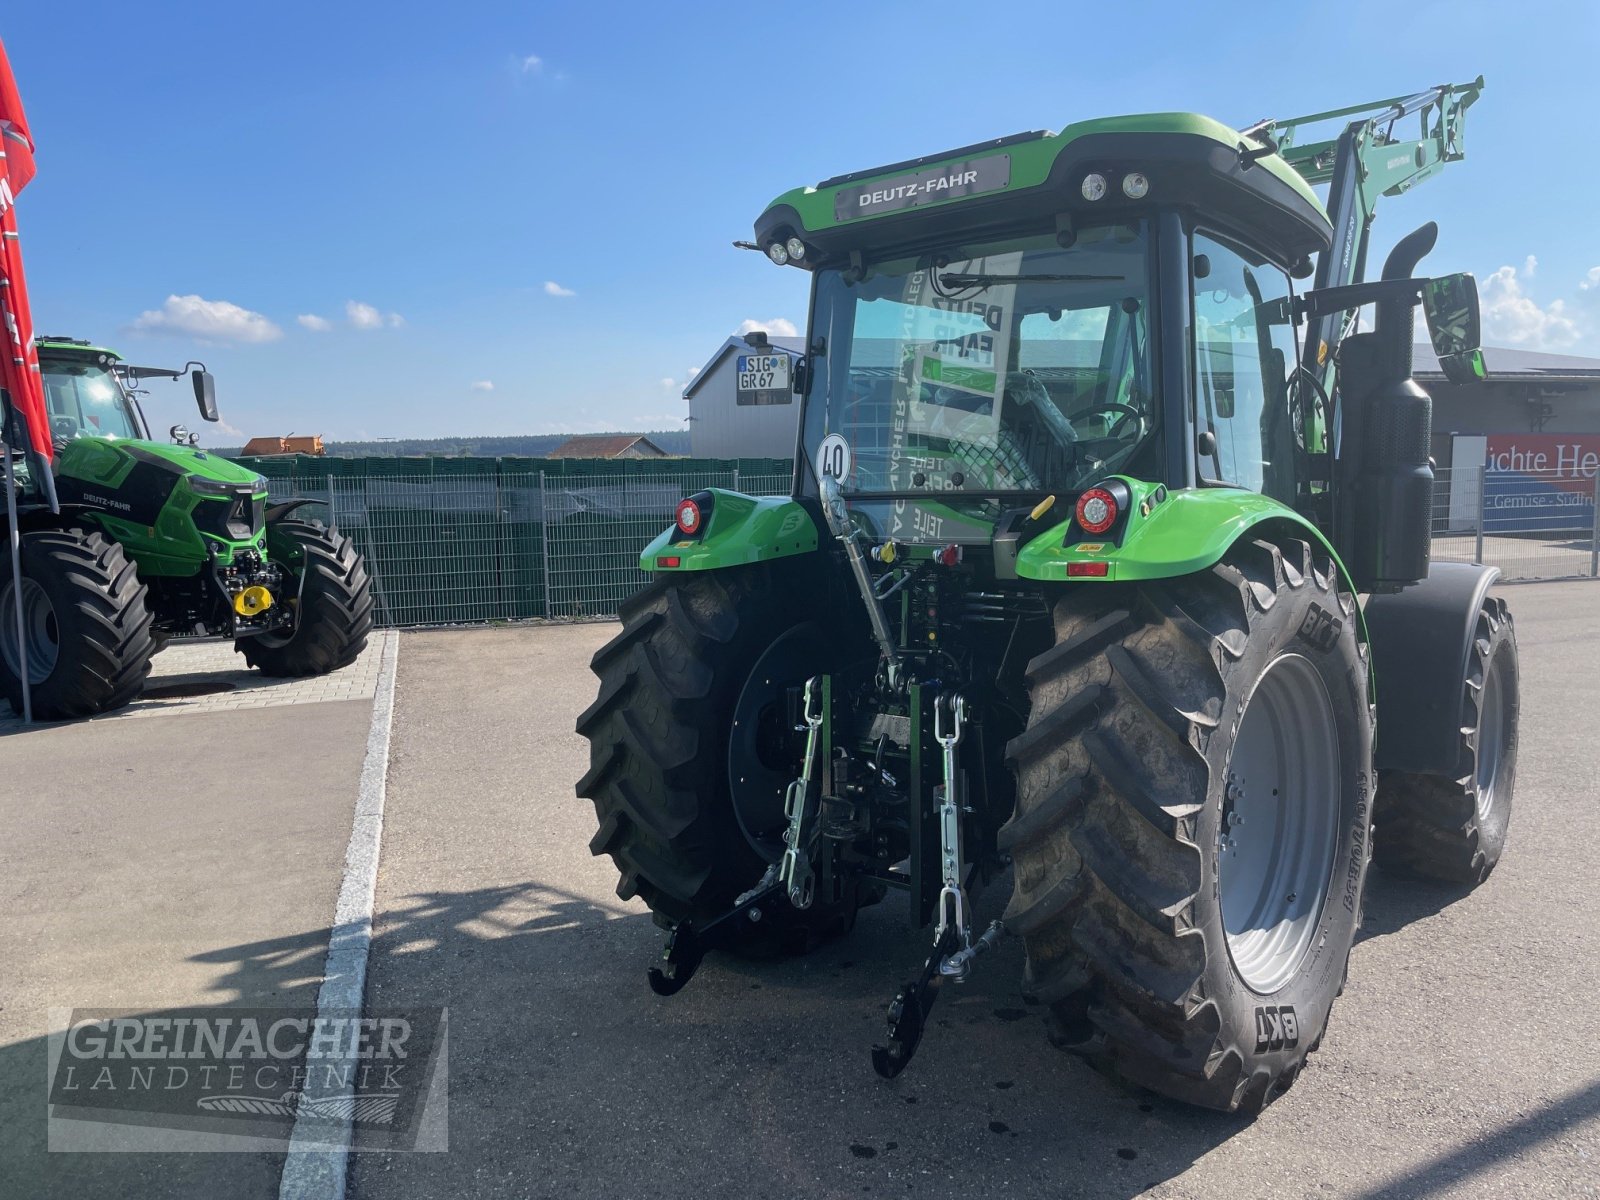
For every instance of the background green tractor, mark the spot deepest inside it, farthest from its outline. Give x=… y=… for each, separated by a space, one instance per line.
x=154 y=540
x=1088 y=496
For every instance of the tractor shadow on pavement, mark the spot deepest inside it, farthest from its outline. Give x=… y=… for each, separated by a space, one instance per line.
x=755 y=1080
x=1391 y=903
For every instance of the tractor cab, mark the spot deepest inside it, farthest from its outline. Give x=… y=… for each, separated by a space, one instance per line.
x=1054 y=316
x=91 y=392
x=1025 y=331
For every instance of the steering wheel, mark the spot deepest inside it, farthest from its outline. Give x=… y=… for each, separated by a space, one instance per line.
x=64 y=429
x=1124 y=412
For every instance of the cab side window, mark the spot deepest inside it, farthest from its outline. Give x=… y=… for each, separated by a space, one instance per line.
x=1244 y=355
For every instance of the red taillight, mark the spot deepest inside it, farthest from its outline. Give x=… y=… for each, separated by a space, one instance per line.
x=669 y=560
x=1097 y=511
x=688 y=517
x=1097 y=570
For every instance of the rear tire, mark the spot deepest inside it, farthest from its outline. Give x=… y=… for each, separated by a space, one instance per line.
x=1453 y=828
x=334 y=614
x=88 y=635
x=1163 y=714
x=659 y=735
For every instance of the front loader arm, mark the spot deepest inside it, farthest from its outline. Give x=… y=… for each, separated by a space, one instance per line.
x=1372 y=157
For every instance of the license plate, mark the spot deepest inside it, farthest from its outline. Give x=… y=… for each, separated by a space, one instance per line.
x=763 y=372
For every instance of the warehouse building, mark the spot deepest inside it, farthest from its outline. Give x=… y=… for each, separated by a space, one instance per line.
x=742 y=403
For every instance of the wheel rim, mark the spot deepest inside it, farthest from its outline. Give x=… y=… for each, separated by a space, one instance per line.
x=763 y=751
x=1491 y=739
x=41 y=633
x=1280 y=823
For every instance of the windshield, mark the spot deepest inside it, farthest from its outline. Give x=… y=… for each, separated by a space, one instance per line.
x=85 y=400
x=1014 y=366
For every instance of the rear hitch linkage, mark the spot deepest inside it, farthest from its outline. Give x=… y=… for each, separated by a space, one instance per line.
x=789 y=881
x=953 y=946
x=688 y=944
x=794 y=868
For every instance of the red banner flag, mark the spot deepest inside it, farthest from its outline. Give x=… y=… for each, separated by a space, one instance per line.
x=19 y=361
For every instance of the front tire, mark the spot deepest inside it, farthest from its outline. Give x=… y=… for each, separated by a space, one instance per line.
x=1453 y=828
x=334 y=606
x=87 y=627
x=1178 y=945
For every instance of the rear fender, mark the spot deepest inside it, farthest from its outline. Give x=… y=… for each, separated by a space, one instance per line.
x=1165 y=533
x=1171 y=532
x=1421 y=642
x=739 y=529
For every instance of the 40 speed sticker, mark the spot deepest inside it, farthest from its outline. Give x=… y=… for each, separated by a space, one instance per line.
x=834 y=457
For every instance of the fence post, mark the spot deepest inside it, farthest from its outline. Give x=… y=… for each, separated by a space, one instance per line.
x=736 y=478
x=1483 y=503
x=333 y=519
x=1594 y=531
x=544 y=541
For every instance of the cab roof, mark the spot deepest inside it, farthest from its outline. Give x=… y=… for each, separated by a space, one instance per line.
x=79 y=347
x=1189 y=160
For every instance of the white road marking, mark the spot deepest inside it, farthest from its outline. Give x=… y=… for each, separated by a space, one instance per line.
x=316 y=1165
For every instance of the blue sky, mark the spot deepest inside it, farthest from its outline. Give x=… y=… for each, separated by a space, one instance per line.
x=516 y=218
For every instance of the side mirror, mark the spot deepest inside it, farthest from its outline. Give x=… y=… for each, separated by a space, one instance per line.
x=1450 y=304
x=205 y=394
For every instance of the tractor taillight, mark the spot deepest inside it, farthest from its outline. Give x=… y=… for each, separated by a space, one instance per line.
x=688 y=517
x=669 y=561
x=1091 y=570
x=1097 y=510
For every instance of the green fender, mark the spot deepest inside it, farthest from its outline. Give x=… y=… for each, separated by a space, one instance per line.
x=741 y=529
x=1168 y=533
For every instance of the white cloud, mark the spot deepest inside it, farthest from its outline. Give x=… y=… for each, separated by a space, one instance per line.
x=552 y=288
x=483 y=385
x=1591 y=280
x=1513 y=318
x=207 y=320
x=776 y=327
x=693 y=371
x=363 y=316
x=532 y=64
x=1530 y=267
x=314 y=323
x=668 y=383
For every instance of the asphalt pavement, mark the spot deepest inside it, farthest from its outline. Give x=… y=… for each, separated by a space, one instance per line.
x=185 y=851
x=1463 y=1059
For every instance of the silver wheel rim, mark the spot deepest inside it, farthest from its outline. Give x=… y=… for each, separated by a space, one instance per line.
x=1280 y=823
x=1491 y=739
x=41 y=634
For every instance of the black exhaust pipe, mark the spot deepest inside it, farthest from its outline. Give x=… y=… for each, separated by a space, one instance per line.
x=1383 y=504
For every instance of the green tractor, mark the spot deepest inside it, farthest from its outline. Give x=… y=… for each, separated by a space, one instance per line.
x=1089 y=496
x=154 y=540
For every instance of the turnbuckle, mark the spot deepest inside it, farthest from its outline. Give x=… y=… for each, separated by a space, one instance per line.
x=794 y=868
x=952 y=897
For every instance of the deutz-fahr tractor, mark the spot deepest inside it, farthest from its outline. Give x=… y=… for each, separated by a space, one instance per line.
x=1089 y=492
x=154 y=540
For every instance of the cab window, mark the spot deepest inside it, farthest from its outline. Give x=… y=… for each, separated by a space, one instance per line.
x=1244 y=356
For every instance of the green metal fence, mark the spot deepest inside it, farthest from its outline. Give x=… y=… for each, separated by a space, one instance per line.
x=459 y=541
